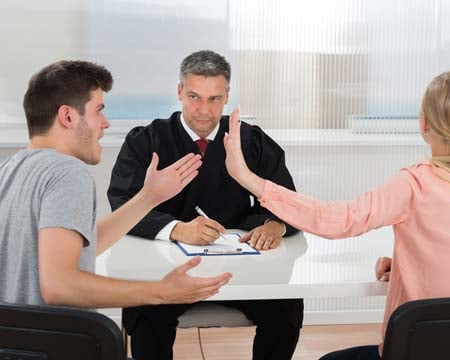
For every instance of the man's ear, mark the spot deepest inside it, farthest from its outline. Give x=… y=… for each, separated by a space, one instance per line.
x=64 y=117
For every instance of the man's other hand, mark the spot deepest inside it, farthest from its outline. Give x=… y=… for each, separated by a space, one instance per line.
x=178 y=287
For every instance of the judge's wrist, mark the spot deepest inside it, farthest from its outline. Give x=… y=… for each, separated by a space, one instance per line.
x=178 y=231
x=281 y=226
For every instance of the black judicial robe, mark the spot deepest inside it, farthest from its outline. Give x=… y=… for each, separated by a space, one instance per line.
x=213 y=190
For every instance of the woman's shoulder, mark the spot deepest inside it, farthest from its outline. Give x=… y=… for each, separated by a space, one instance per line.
x=425 y=171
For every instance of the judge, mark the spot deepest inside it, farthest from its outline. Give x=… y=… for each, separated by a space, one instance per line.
x=200 y=127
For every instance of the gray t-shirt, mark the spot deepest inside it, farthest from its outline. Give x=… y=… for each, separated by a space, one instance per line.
x=41 y=189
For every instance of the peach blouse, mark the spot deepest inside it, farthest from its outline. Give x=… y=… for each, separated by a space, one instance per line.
x=416 y=202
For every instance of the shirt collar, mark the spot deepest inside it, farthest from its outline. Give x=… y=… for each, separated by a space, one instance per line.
x=193 y=135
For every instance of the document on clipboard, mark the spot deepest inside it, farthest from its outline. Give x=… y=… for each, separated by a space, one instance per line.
x=227 y=244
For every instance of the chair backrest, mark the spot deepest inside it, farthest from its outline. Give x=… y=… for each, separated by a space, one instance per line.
x=206 y=314
x=419 y=330
x=53 y=333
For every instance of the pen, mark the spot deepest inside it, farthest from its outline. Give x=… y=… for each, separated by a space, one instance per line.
x=236 y=251
x=202 y=213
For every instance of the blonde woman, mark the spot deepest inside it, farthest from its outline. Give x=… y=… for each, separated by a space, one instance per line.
x=415 y=201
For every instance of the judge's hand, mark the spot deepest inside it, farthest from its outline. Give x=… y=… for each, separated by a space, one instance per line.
x=200 y=231
x=383 y=268
x=179 y=287
x=265 y=237
x=161 y=185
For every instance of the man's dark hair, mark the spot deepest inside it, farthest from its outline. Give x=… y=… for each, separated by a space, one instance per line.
x=206 y=63
x=61 y=83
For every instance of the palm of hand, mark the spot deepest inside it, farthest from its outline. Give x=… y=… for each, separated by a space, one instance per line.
x=234 y=162
x=166 y=183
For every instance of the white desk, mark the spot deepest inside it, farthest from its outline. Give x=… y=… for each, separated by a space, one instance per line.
x=290 y=271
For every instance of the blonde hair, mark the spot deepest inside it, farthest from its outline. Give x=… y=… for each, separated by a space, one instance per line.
x=436 y=110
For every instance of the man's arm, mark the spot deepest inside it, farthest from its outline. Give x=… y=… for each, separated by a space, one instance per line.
x=158 y=186
x=63 y=283
x=127 y=178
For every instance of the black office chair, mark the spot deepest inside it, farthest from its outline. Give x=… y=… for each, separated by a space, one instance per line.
x=51 y=333
x=207 y=315
x=419 y=330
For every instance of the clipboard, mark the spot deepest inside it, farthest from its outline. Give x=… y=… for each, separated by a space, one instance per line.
x=230 y=246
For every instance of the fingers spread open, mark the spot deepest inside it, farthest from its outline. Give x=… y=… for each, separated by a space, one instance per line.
x=180 y=162
x=268 y=242
x=186 y=180
x=189 y=264
x=260 y=243
x=189 y=165
x=211 y=282
x=255 y=238
x=246 y=237
x=275 y=243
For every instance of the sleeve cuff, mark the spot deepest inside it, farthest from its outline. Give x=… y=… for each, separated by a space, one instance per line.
x=164 y=233
x=279 y=222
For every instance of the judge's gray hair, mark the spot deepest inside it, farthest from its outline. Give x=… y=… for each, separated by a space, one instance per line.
x=206 y=63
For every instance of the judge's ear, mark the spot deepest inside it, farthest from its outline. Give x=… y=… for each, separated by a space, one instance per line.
x=179 y=91
x=64 y=116
x=227 y=94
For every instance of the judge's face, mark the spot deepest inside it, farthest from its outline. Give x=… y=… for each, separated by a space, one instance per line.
x=203 y=99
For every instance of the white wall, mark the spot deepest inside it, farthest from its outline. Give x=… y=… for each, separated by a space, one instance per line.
x=32 y=35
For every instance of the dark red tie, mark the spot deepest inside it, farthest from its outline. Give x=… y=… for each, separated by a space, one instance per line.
x=202 y=144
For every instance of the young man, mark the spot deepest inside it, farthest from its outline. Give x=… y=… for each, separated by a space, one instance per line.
x=203 y=92
x=49 y=236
